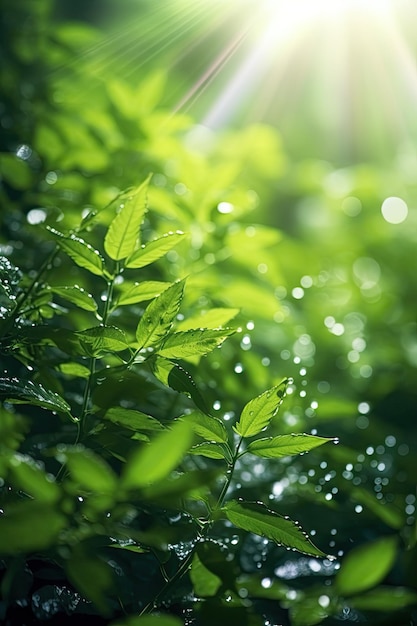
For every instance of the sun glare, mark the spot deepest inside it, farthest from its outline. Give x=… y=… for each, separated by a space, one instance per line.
x=337 y=71
x=340 y=66
x=323 y=9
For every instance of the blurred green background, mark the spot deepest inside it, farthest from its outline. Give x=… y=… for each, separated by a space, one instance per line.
x=284 y=134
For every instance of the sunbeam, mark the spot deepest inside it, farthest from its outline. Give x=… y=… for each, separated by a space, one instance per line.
x=340 y=71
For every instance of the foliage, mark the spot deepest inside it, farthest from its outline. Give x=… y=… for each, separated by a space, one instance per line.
x=144 y=312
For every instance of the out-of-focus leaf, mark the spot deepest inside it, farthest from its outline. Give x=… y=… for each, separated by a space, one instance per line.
x=385 y=599
x=389 y=514
x=66 y=340
x=285 y=445
x=74 y=369
x=27 y=392
x=212 y=556
x=139 y=292
x=255 y=517
x=366 y=566
x=123 y=233
x=17 y=581
x=82 y=253
x=28 y=526
x=76 y=295
x=28 y=476
x=190 y=343
x=307 y=611
x=101 y=339
x=159 y=316
x=177 y=378
x=332 y=408
x=88 y=470
x=205 y=583
x=134 y=420
x=172 y=491
x=154 y=250
x=92 y=578
x=257 y=413
x=252 y=584
x=15 y=172
x=208 y=427
x=154 y=461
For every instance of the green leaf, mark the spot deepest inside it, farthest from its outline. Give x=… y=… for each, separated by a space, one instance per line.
x=389 y=514
x=286 y=445
x=76 y=295
x=212 y=556
x=91 y=577
x=88 y=470
x=130 y=548
x=28 y=476
x=253 y=585
x=258 y=412
x=154 y=461
x=132 y=293
x=205 y=583
x=255 y=517
x=154 y=250
x=131 y=419
x=159 y=316
x=177 y=378
x=74 y=369
x=214 y=318
x=16 y=172
x=28 y=392
x=385 y=599
x=209 y=449
x=306 y=610
x=28 y=526
x=101 y=339
x=66 y=340
x=193 y=342
x=123 y=232
x=366 y=566
x=80 y=252
x=172 y=491
x=210 y=428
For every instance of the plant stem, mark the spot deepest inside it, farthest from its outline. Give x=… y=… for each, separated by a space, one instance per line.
x=183 y=568
x=229 y=476
x=93 y=359
x=186 y=563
